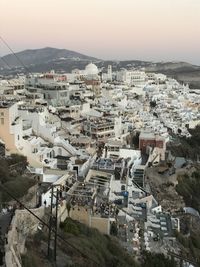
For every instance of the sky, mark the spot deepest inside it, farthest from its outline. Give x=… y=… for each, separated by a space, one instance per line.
x=156 y=30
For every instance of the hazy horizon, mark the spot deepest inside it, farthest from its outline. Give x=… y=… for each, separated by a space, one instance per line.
x=105 y=59
x=152 y=30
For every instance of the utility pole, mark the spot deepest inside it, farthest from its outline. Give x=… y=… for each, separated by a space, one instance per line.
x=46 y=224
x=53 y=224
x=50 y=224
x=56 y=225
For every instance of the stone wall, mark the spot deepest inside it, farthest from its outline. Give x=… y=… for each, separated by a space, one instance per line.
x=84 y=216
x=23 y=224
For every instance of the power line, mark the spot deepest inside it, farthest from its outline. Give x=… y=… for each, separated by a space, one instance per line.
x=3 y=40
x=47 y=225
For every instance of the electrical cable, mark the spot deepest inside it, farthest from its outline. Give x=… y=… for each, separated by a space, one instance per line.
x=7 y=45
x=44 y=223
x=18 y=201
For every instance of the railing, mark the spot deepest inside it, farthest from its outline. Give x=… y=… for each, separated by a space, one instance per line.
x=66 y=145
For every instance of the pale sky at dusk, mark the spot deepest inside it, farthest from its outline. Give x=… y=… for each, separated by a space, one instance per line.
x=108 y=29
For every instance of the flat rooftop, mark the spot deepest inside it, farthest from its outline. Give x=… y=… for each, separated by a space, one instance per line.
x=150 y=135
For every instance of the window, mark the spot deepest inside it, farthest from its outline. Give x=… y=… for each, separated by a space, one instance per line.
x=2 y=114
x=2 y=121
x=35 y=150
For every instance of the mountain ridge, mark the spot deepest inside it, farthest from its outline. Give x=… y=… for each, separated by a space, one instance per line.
x=37 y=56
x=52 y=53
x=63 y=60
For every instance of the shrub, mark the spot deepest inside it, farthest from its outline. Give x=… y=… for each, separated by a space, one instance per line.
x=16 y=158
x=70 y=227
x=17 y=187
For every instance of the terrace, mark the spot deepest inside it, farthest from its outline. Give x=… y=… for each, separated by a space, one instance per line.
x=93 y=194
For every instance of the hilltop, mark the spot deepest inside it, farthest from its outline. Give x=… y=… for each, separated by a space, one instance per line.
x=63 y=60
x=42 y=59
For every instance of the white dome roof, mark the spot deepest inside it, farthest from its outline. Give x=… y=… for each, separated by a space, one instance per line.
x=91 y=69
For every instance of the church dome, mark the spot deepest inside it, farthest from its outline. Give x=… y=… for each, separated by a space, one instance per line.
x=91 y=69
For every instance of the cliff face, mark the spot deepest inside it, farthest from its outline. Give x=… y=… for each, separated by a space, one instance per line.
x=22 y=225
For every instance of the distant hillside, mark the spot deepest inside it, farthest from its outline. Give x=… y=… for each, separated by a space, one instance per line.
x=42 y=59
x=165 y=66
x=62 y=60
x=182 y=71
